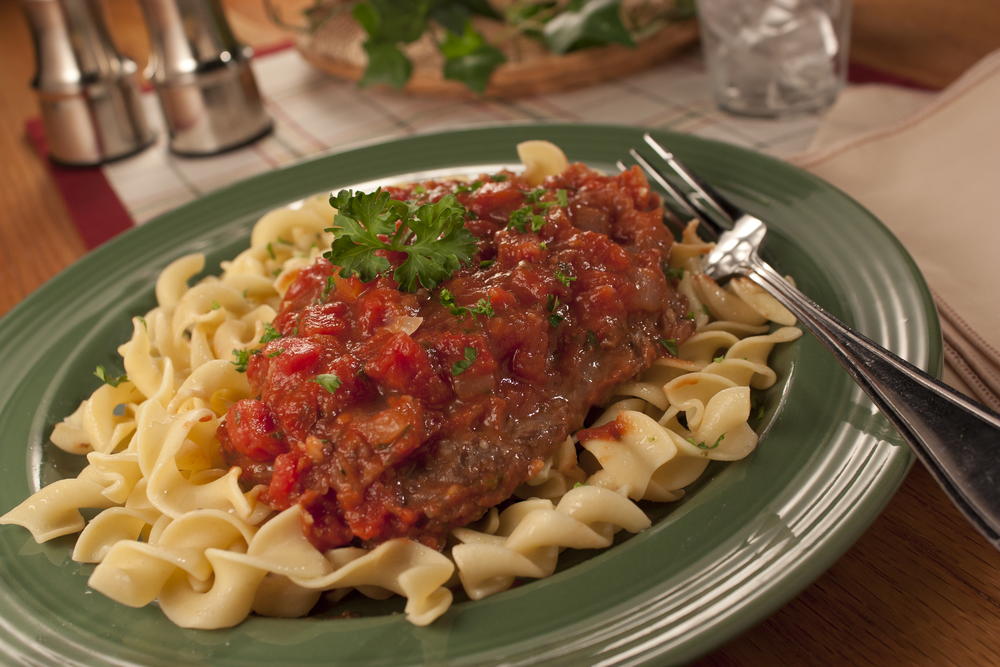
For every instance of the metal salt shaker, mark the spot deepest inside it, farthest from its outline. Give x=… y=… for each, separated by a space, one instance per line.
x=87 y=91
x=202 y=77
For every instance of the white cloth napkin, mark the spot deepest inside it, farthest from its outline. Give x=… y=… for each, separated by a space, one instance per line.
x=928 y=165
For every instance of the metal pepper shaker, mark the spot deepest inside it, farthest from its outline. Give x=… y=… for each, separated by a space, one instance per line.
x=202 y=77
x=87 y=91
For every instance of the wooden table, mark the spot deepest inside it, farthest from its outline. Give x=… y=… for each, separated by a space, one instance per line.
x=920 y=587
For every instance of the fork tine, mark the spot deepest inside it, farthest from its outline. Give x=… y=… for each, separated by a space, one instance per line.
x=678 y=199
x=705 y=199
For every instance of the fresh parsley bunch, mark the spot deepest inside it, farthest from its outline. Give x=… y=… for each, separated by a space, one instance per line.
x=432 y=236
x=562 y=25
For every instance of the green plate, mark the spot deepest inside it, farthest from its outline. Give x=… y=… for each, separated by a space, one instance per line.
x=750 y=535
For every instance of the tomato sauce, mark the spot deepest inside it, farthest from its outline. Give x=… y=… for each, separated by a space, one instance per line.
x=385 y=414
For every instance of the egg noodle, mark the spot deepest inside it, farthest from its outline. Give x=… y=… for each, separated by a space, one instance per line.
x=175 y=525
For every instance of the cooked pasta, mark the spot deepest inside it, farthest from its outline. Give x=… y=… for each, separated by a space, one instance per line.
x=176 y=525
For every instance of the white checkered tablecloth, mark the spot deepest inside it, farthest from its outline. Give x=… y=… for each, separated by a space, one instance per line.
x=315 y=113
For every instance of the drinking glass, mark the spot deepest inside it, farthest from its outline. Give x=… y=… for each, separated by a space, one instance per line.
x=775 y=57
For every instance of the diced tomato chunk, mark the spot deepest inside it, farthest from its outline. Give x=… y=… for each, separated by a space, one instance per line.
x=253 y=431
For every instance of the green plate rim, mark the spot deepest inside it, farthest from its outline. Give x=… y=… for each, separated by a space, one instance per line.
x=26 y=634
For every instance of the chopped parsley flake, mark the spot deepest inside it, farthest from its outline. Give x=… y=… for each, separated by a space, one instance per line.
x=719 y=359
x=673 y=273
x=487 y=263
x=328 y=381
x=461 y=366
x=702 y=445
x=689 y=315
x=524 y=219
x=419 y=190
x=447 y=300
x=468 y=187
x=330 y=284
x=555 y=317
x=564 y=278
x=499 y=178
x=216 y=305
x=284 y=241
x=276 y=353
x=270 y=251
x=113 y=380
x=591 y=339
x=561 y=198
x=270 y=333
x=142 y=320
x=242 y=359
x=482 y=307
x=670 y=345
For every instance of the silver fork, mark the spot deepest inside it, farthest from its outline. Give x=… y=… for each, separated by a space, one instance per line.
x=956 y=438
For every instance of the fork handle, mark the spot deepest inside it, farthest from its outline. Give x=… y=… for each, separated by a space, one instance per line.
x=957 y=439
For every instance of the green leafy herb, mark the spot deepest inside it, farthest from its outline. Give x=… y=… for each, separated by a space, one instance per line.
x=487 y=263
x=419 y=189
x=216 y=305
x=113 y=380
x=555 y=317
x=702 y=445
x=142 y=320
x=543 y=245
x=242 y=359
x=689 y=315
x=524 y=219
x=328 y=381
x=587 y=23
x=461 y=366
x=275 y=353
x=447 y=300
x=270 y=333
x=499 y=178
x=534 y=196
x=564 y=278
x=670 y=345
x=270 y=251
x=578 y=485
x=284 y=241
x=482 y=307
x=719 y=359
x=469 y=58
x=591 y=339
x=673 y=273
x=328 y=287
x=562 y=198
x=432 y=236
x=468 y=187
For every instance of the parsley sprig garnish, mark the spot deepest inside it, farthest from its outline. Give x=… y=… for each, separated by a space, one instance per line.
x=432 y=236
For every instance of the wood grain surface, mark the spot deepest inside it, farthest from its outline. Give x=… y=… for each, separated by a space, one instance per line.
x=919 y=588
